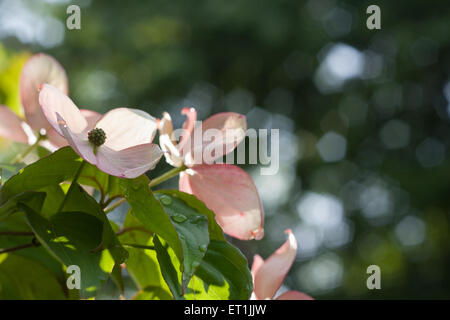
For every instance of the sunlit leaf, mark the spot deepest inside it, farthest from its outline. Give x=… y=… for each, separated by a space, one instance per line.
x=142 y=264
x=215 y=232
x=192 y=228
x=53 y=169
x=149 y=211
x=23 y=278
x=169 y=269
x=223 y=275
x=72 y=237
x=79 y=201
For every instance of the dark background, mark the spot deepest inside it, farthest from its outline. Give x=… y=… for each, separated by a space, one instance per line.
x=363 y=115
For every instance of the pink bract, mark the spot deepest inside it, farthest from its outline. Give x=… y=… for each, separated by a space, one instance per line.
x=225 y=189
x=127 y=151
x=268 y=275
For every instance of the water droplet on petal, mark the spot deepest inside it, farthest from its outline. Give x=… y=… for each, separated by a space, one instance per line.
x=180 y=218
x=166 y=200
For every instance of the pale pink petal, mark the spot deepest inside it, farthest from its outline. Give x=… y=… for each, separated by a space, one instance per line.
x=54 y=101
x=128 y=163
x=231 y=194
x=40 y=68
x=171 y=152
x=125 y=128
x=168 y=142
x=78 y=141
x=11 y=126
x=221 y=134
x=57 y=140
x=188 y=125
x=294 y=295
x=92 y=117
x=165 y=125
x=271 y=274
x=258 y=261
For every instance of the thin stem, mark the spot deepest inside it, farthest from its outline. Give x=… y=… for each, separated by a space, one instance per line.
x=16 y=233
x=72 y=185
x=139 y=246
x=164 y=177
x=33 y=243
x=115 y=205
x=20 y=157
x=104 y=204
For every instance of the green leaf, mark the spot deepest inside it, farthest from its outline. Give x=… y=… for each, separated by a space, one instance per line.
x=142 y=265
x=51 y=170
x=223 y=275
x=186 y=231
x=215 y=231
x=149 y=211
x=192 y=228
x=39 y=254
x=72 y=238
x=58 y=167
x=168 y=268
x=22 y=278
x=8 y=170
x=106 y=184
x=32 y=199
x=117 y=278
x=79 y=200
x=54 y=196
x=153 y=293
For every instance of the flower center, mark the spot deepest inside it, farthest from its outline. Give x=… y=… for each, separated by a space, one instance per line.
x=97 y=137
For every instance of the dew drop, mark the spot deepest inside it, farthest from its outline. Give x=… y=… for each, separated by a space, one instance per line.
x=203 y=247
x=166 y=200
x=197 y=219
x=180 y=218
x=195 y=264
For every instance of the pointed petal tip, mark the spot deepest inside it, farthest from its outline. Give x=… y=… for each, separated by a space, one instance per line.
x=291 y=238
x=258 y=261
x=271 y=274
x=188 y=110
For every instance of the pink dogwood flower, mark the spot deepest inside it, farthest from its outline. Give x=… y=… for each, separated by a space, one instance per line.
x=11 y=126
x=226 y=189
x=39 y=68
x=268 y=275
x=118 y=143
